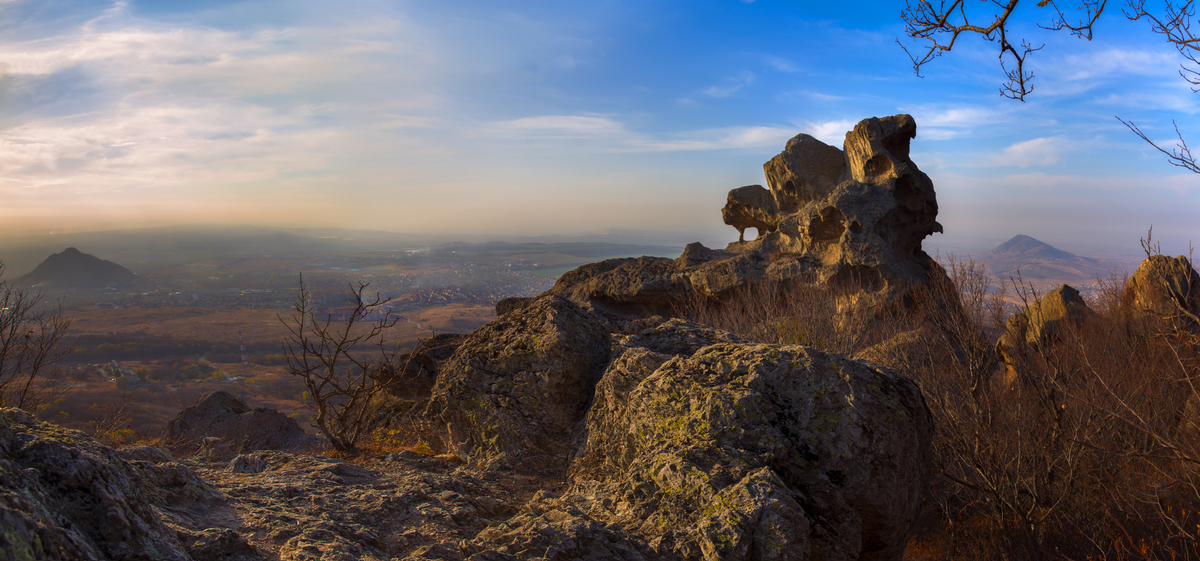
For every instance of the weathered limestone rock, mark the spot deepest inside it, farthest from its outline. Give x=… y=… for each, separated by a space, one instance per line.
x=854 y=218
x=1164 y=286
x=757 y=451
x=858 y=215
x=220 y=414
x=806 y=170
x=513 y=394
x=1039 y=325
x=750 y=207
x=65 y=496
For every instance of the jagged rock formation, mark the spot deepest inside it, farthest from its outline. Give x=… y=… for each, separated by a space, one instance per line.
x=695 y=444
x=221 y=415
x=65 y=496
x=75 y=269
x=1038 y=325
x=728 y=451
x=1164 y=286
x=854 y=218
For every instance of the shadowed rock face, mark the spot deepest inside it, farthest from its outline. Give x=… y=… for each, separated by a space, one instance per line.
x=1039 y=325
x=221 y=415
x=65 y=496
x=854 y=217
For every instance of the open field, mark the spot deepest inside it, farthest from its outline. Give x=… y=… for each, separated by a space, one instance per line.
x=146 y=341
x=257 y=325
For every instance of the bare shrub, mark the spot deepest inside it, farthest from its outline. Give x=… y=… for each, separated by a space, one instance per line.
x=1080 y=454
x=337 y=362
x=830 y=318
x=31 y=341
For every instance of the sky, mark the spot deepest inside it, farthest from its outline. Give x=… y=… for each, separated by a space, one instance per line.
x=549 y=118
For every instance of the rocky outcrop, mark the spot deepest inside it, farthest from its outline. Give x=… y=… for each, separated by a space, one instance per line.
x=1165 y=287
x=65 y=496
x=1039 y=325
x=415 y=372
x=514 y=393
x=854 y=218
x=783 y=451
x=221 y=415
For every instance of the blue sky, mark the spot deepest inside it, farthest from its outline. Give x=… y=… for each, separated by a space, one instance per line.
x=485 y=118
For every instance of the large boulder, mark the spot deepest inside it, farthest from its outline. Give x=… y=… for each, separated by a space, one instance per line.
x=1039 y=325
x=221 y=415
x=741 y=451
x=513 y=394
x=65 y=496
x=855 y=218
x=1165 y=287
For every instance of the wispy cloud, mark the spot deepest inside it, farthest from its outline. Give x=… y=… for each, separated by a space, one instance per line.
x=1037 y=152
x=719 y=139
x=782 y=64
x=832 y=133
x=558 y=126
x=731 y=86
x=944 y=123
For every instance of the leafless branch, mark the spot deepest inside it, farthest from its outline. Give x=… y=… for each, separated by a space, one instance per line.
x=31 y=341
x=339 y=377
x=1180 y=156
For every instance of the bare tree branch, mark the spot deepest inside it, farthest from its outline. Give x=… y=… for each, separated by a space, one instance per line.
x=1180 y=156
x=31 y=336
x=340 y=378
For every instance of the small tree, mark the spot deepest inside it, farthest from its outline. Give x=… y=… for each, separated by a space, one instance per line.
x=31 y=341
x=336 y=361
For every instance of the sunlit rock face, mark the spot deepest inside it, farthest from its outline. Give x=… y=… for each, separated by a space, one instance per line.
x=854 y=217
x=857 y=214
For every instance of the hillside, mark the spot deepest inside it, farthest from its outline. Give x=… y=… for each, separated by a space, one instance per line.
x=74 y=269
x=1037 y=260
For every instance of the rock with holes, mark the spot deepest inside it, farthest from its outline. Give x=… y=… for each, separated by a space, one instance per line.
x=857 y=214
x=751 y=207
x=854 y=217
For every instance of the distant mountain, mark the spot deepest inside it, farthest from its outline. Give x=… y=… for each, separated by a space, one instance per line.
x=74 y=269
x=1025 y=247
x=1036 y=260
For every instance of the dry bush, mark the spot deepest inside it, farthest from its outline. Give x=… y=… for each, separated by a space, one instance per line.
x=31 y=342
x=1079 y=455
x=1091 y=450
x=831 y=318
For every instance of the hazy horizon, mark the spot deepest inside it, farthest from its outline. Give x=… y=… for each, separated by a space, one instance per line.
x=480 y=121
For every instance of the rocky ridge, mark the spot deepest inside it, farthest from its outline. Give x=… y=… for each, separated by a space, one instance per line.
x=586 y=424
